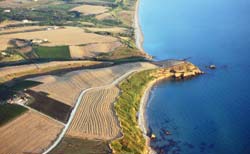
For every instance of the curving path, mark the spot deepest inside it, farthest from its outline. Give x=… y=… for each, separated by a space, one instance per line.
x=79 y=100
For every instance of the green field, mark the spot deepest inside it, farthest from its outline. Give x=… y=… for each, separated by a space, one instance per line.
x=7 y=92
x=10 y=111
x=57 y=52
x=81 y=146
x=24 y=84
x=126 y=108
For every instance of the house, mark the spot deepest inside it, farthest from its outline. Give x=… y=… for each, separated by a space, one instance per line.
x=7 y=11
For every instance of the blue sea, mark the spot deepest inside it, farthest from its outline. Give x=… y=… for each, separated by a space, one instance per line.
x=209 y=114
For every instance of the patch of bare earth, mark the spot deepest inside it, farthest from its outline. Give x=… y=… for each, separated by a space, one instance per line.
x=29 y=133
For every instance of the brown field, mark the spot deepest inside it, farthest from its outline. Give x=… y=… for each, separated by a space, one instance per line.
x=66 y=88
x=126 y=17
x=92 y=50
x=10 y=72
x=22 y=3
x=8 y=22
x=58 y=37
x=111 y=30
x=105 y=16
x=22 y=29
x=95 y=118
x=90 y=9
x=29 y=133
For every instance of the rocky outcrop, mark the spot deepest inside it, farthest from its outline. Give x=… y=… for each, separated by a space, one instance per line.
x=181 y=71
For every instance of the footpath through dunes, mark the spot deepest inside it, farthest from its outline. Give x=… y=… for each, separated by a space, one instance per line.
x=67 y=88
x=29 y=133
x=95 y=117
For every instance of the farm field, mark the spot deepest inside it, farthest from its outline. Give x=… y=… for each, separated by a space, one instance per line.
x=90 y=9
x=48 y=106
x=95 y=117
x=23 y=29
x=111 y=30
x=93 y=50
x=75 y=36
x=10 y=72
x=76 y=81
x=71 y=145
x=23 y=4
x=29 y=133
x=105 y=16
x=53 y=52
x=10 y=111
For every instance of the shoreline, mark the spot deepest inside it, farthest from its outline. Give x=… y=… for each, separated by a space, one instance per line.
x=142 y=119
x=139 y=38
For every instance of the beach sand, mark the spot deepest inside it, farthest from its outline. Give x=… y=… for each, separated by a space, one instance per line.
x=139 y=38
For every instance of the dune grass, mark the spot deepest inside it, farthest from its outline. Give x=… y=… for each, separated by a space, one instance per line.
x=127 y=107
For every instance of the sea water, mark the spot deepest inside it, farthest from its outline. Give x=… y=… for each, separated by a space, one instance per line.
x=209 y=114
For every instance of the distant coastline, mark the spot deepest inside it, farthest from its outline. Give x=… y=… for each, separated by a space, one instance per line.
x=137 y=28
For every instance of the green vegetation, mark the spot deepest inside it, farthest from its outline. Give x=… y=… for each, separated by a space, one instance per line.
x=10 y=111
x=81 y=146
x=127 y=107
x=7 y=92
x=122 y=53
x=24 y=84
x=57 y=52
x=10 y=55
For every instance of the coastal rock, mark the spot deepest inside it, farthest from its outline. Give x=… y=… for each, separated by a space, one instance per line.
x=153 y=136
x=212 y=67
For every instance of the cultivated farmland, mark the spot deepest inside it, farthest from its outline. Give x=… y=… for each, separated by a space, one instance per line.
x=30 y=133
x=10 y=72
x=92 y=50
x=58 y=37
x=95 y=117
x=67 y=88
x=90 y=9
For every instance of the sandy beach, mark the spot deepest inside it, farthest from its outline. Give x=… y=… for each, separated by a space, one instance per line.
x=142 y=117
x=139 y=43
x=138 y=32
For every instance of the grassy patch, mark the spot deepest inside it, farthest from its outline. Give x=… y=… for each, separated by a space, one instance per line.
x=24 y=84
x=57 y=52
x=9 y=112
x=81 y=146
x=7 y=92
x=126 y=108
x=122 y=53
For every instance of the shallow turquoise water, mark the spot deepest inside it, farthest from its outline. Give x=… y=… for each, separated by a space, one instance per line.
x=210 y=113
